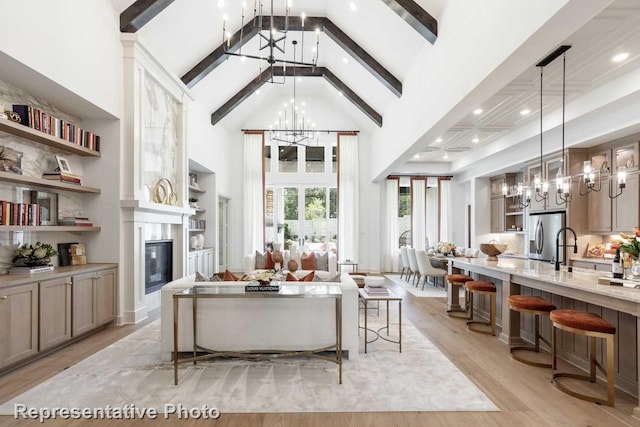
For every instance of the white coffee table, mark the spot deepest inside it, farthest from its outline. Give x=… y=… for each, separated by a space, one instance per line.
x=365 y=297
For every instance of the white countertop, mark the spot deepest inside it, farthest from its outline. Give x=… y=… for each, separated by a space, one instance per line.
x=594 y=260
x=580 y=279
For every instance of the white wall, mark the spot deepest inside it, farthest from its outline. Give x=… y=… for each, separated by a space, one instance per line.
x=73 y=42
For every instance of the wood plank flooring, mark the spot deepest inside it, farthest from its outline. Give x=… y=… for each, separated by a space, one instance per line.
x=523 y=393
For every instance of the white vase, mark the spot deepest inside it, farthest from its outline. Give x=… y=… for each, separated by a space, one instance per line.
x=200 y=241
x=193 y=243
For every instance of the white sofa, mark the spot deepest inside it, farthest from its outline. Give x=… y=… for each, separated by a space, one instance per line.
x=260 y=323
x=250 y=264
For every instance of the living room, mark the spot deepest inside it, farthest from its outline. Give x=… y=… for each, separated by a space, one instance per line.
x=156 y=129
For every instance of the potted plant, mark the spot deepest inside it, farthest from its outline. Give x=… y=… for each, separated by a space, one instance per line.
x=32 y=255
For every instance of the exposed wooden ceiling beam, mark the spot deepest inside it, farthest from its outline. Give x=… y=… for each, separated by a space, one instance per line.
x=217 y=57
x=263 y=77
x=139 y=13
x=416 y=16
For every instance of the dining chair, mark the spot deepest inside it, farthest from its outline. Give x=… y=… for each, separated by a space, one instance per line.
x=427 y=270
x=413 y=264
x=404 y=259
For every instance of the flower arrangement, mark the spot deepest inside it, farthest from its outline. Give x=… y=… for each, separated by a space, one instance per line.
x=631 y=243
x=445 y=248
x=37 y=254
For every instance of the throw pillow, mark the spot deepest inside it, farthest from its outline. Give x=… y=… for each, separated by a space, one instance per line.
x=261 y=261
x=269 y=263
x=229 y=277
x=335 y=278
x=308 y=261
x=322 y=261
x=308 y=278
x=201 y=277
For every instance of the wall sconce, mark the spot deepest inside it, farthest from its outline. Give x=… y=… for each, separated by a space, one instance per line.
x=622 y=183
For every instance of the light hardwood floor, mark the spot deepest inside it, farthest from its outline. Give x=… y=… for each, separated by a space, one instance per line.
x=523 y=393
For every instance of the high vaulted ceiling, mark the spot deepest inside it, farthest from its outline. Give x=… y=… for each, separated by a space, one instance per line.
x=185 y=32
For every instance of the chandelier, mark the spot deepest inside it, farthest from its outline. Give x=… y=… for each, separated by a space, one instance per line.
x=272 y=40
x=292 y=127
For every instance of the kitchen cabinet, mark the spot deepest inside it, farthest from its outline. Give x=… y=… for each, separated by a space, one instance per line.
x=506 y=212
x=599 y=214
x=19 y=323
x=497 y=215
x=93 y=300
x=106 y=284
x=626 y=207
x=54 y=312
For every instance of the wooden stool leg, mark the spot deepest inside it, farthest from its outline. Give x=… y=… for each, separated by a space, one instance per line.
x=592 y=359
x=611 y=375
x=492 y=317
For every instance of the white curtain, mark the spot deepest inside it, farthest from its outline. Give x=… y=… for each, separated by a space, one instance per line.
x=253 y=211
x=418 y=213
x=445 y=210
x=391 y=254
x=432 y=215
x=348 y=199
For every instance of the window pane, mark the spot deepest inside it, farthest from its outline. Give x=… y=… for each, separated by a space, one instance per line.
x=333 y=215
x=267 y=158
x=334 y=159
x=288 y=158
x=404 y=215
x=290 y=196
x=315 y=159
x=315 y=216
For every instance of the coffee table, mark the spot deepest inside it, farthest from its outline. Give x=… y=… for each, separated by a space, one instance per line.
x=366 y=297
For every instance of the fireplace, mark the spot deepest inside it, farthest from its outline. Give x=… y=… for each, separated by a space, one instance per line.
x=158 y=261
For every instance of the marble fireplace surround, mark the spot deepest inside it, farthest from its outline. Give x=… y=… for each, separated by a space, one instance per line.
x=145 y=221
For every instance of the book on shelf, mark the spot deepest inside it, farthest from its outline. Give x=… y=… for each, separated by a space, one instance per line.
x=63 y=177
x=19 y=213
x=39 y=120
x=64 y=253
x=30 y=269
x=75 y=221
x=78 y=254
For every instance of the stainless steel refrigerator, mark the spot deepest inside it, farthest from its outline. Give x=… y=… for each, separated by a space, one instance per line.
x=543 y=228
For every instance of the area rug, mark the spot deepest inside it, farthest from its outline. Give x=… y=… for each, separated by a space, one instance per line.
x=130 y=372
x=429 y=291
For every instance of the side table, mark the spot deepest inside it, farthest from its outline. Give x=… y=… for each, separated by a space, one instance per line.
x=365 y=297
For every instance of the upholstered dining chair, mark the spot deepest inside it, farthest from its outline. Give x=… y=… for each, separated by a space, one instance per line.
x=413 y=264
x=404 y=259
x=427 y=270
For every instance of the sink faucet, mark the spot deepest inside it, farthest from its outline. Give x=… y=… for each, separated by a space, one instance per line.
x=564 y=244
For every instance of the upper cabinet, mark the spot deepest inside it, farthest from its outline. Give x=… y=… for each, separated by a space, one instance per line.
x=506 y=211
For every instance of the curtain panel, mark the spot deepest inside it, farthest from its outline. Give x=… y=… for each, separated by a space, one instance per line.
x=418 y=212
x=348 y=196
x=253 y=198
x=391 y=260
x=446 y=200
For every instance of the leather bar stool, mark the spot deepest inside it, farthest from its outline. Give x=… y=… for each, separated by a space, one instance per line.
x=456 y=281
x=481 y=288
x=537 y=307
x=592 y=326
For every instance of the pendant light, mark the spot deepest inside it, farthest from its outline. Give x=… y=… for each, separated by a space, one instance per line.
x=563 y=184
x=540 y=184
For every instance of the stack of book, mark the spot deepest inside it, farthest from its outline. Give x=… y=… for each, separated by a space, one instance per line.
x=19 y=213
x=69 y=178
x=375 y=290
x=77 y=221
x=30 y=269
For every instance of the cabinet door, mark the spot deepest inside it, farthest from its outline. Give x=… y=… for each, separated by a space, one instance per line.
x=555 y=203
x=106 y=284
x=209 y=261
x=84 y=297
x=55 y=312
x=19 y=320
x=599 y=205
x=625 y=207
x=200 y=259
x=191 y=263
x=497 y=215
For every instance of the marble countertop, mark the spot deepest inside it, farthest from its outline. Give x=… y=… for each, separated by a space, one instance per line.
x=579 y=279
x=593 y=260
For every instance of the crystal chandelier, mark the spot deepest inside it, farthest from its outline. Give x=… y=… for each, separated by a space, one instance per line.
x=273 y=40
x=292 y=126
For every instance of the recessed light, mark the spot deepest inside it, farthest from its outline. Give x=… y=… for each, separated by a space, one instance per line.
x=475 y=140
x=353 y=6
x=220 y=4
x=446 y=155
x=345 y=60
x=438 y=140
x=299 y=79
x=257 y=91
x=340 y=93
x=525 y=112
x=478 y=111
x=620 y=57
x=416 y=156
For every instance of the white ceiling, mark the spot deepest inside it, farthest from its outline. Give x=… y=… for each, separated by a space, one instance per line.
x=188 y=30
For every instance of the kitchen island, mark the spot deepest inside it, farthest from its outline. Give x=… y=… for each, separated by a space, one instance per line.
x=577 y=290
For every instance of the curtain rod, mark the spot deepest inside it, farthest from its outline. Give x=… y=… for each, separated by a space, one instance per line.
x=291 y=130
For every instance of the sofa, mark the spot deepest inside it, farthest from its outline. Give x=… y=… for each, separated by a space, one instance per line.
x=259 y=323
x=250 y=264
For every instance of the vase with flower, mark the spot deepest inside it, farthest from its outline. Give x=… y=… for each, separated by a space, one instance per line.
x=630 y=244
x=445 y=248
x=33 y=254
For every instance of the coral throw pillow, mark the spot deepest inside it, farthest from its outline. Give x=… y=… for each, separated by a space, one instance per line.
x=307 y=278
x=229 y=277
x=308 y=261
x=269 y=263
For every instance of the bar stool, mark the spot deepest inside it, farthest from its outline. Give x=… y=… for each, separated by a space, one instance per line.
x=592 y=326
x=456 y=281
x=537 y=307
x=481 y=288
